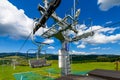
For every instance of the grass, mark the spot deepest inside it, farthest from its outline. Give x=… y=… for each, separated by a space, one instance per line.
x=7 y=72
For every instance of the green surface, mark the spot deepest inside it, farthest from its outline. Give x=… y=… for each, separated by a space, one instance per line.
x=7 y=72
x=31 y=76
x=79 y=72
x=52 y=70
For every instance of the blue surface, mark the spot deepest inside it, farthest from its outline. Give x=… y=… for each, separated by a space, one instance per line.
x=80 y=72
x=31 y=76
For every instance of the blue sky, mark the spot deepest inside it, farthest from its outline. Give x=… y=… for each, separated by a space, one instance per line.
x=16 y=20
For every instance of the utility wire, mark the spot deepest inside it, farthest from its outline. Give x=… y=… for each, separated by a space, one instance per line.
x=24 y=43
x=112 y=24
x=93 y=30
x=108 y=26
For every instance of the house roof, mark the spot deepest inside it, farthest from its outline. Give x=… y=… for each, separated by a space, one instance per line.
x=79 y=77
x=106 y=74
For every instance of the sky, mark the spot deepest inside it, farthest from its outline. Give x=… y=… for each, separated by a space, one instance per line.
x=16 y=23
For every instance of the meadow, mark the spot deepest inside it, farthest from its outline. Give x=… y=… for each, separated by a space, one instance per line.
x=7 y=72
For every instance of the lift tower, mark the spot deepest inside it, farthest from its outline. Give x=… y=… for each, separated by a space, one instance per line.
x=60 y=31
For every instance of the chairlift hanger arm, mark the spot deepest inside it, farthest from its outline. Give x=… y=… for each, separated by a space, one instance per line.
x=54 y=16
x=52 y=7
x=37 y=43
x=85 y=35
x=61 y=22
x=42 y=43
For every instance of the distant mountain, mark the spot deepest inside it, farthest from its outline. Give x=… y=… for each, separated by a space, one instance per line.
x=81 y=58
x=20 y=54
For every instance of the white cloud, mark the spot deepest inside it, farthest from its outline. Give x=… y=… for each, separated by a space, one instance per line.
x=13 y=21
x=96 y=48
x=97 y=28
x=100 y=38
x=81 y=29
x=82 y=26
x=76 y=43
x=51 y=47
x=49 y=41
x=41 y=31
x=106 y=48
x=109 y=22
x=82 y=53
x=99 y=48
x=82 y=45
x=105 y=5
x=101 y=35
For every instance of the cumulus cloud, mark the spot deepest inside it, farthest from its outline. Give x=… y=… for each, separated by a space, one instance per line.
x=102 y=39
x=96 y=48
x=82 y=45
x=49 y=41
x=81 y=29
x=102 y=35
x=76 y=43
x=41 y=31
x=99 y=36
x=51 y=47
x=105 y=5
x=97 y=28
x=82 y=53
x=106 y=48
x=99 y=48
x=14 y=23
x=109 y=22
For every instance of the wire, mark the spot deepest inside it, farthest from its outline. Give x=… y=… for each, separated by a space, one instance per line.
x=31 y=33
x=108 y=26
x=112 y=24
x=24 y=43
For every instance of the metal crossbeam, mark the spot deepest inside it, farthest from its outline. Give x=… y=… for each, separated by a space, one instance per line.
x=85 y=35
x=51 y=8
x=59 y=30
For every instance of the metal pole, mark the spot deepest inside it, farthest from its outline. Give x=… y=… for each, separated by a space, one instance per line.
x=14 y=64
x=46 y=3
x=3 y=65
x=91 y=23
x=39 y=49
x=74 y=8
x=44 y=54
x=117 y=65
x=28 y=52
x=65 y=62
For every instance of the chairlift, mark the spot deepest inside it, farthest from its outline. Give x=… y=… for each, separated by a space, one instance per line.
x=38 y=62
x=59 y=31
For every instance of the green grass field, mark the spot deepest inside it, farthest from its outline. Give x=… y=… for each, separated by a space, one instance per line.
x=7 y=72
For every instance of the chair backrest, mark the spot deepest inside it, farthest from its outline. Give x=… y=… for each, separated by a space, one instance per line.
x=37 y=63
